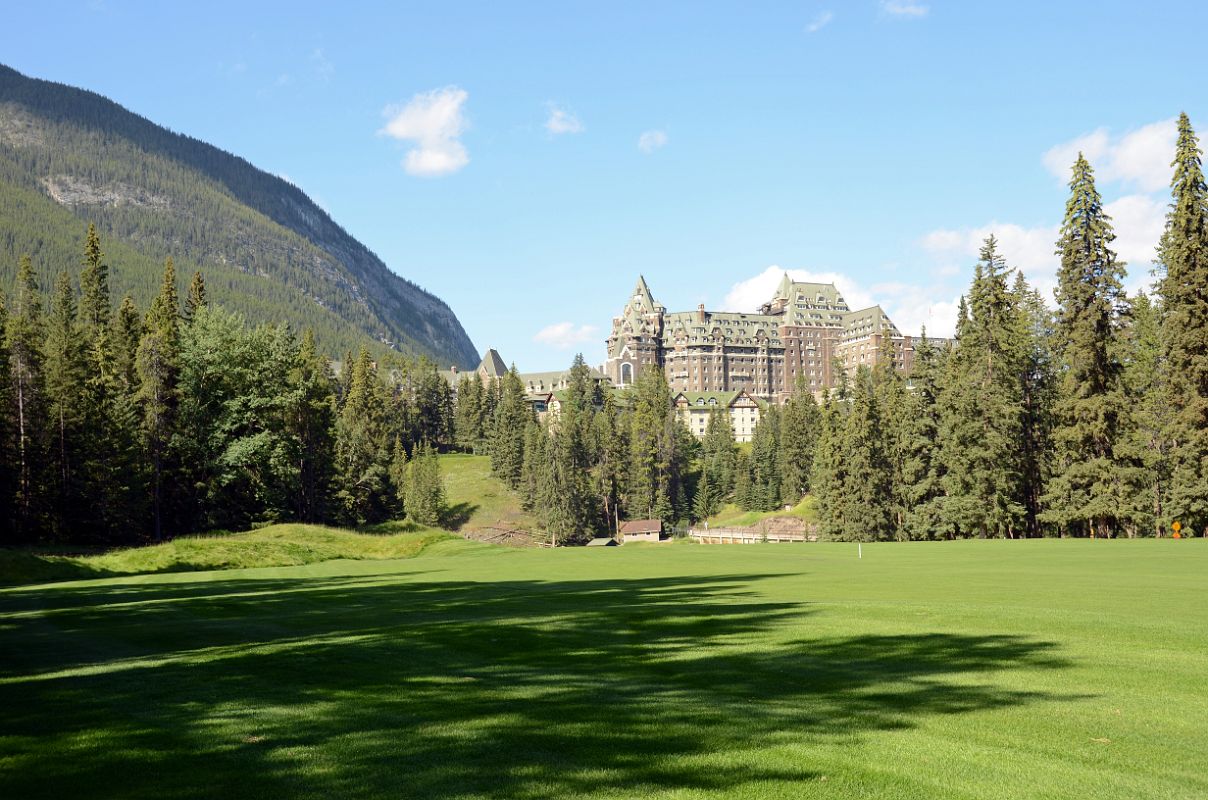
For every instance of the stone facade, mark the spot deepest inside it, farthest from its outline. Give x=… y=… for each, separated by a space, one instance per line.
x=805 y=329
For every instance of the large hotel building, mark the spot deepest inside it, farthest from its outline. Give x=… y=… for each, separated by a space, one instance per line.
x=805 y=329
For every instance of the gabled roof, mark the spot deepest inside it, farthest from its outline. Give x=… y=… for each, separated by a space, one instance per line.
x=642 y=526
x=492 y=365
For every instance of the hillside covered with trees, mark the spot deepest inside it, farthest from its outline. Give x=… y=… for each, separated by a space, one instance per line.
x=69 y=157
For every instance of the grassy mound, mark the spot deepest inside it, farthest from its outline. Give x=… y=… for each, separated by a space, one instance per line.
x=478 y=500
x=273 y=546
x=731 y=516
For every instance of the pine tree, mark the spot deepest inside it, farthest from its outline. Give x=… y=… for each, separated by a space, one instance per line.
x=921 y=490
x=511 y=419
x=799 y=429
x=1147 y=384
x=398 y=475
x=867 y=472
x=425 y=488
x=765 y=462
x=535 y=464
x=656 y=461
x=433 y=407
x=705 y=502
x=470 y=416
x=8 y=457
x=981 y=409
x=158 y=366
x=1183 y=252
x=311 y=417
x=65 y=370
x=612 y=453
x=127 y=333
x=1038 y=396
x=573 y=510
x=362 y=447
x=24 y=334
x=1087 y=492
x=828 y=476
x=196 y=298
x=718 y=452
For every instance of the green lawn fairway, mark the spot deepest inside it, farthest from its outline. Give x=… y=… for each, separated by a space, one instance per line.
x=1035 y=669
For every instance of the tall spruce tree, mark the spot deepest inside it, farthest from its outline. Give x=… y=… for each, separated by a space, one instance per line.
x=799 y=429
x=157 y=362
x=1147 y=384
x=311 y=417
x=1038 y=385
x=828 y=478
x=656 y=460
x=512 y=416
x=1183 y=252
x=765 y=462
x=363 y=453
x=718 y=452
x=425 y=490
x=921 y=491
x=868 y=471
x=24 y=335
x=8 y=461
x=196 y=298
x=1088 y=492
x=65 y=369
x=573 y=508
x=981 y=409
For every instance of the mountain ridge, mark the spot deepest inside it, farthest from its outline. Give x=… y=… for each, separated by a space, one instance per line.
x=153 y=192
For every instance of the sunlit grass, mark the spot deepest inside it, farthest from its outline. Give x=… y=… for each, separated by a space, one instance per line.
x=975 y=669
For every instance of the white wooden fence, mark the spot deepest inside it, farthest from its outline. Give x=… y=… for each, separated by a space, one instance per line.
x=741 y=536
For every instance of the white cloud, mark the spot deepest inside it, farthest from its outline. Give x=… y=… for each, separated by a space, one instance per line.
x=565 y=335
x=904 y=8
x=1030 y=249
x=562 y=121
x=1140 y=158
x=322 y=65
x=650 y=141
x=434 y=121
x=910 y=306
x=820 y=22
x=1138 y=220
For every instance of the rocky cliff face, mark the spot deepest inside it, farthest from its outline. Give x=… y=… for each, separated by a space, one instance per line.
x=160 y=193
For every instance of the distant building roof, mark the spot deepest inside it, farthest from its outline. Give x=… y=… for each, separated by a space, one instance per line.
x=602 y=541
x=642 y=526
x=492 y=364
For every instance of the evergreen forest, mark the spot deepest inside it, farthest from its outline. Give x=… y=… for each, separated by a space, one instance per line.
x=1087 y=418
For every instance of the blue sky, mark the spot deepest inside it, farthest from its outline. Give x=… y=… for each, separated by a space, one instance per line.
x=527 y=161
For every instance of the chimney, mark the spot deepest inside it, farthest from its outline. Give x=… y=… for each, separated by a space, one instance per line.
x=700 y=313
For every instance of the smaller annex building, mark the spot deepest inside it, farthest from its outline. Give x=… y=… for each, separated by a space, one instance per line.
x=641 y=530
x=742 y=407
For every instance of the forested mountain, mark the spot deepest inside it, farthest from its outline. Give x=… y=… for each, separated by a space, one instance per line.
x=69 y=157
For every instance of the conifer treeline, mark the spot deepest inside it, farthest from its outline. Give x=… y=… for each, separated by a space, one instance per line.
x=117 y=427
x=1088 y=421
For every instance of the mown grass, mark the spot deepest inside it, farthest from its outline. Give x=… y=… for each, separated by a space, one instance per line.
x=977 y=669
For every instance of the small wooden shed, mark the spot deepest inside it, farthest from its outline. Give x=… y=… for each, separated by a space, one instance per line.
x=641 y=530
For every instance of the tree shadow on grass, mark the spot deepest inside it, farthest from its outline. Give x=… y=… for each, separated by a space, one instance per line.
x=412 y=686
x=457 y=515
